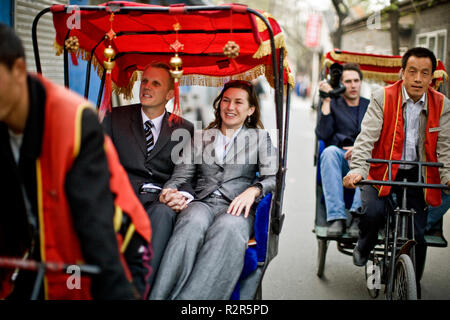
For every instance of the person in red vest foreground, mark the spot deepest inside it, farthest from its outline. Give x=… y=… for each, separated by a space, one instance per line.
x=59 y=188
x=404 y=121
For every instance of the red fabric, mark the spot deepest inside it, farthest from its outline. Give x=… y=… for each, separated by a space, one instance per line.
x=390 y=66
x=435 y=107
x=60 y=242
x=125 y=197
x=240 y=8
x=177 y=8
x=95 y=24
x=175 y=116
x=392 y=70
x=106 y=102
x=390 y=144
x=74 y=59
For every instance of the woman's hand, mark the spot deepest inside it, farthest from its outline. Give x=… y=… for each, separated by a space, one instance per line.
x=244 y=201
x=172 y=198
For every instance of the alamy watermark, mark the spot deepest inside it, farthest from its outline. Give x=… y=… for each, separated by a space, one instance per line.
x=250 y=147
x=373 y=276
x=74 y=280
x=74 y=20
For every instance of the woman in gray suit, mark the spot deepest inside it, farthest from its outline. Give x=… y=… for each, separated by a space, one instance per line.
x=205 y=255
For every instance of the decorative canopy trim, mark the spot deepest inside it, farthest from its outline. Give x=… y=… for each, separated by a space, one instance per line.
x=379 y=67
x=372 y=59
x=204 y=34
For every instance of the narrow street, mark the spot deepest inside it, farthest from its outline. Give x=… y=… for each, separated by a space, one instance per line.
x=292 y=274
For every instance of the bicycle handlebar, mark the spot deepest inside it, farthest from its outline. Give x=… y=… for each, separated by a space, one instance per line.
x=13 y=263
x=403 y=184
x=408 y=184
x=417 y=163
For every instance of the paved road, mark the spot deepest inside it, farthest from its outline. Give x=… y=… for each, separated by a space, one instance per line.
x=292 y=274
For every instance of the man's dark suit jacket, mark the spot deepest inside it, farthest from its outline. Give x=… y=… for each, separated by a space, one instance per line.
x=124 y=126
x=339 y=128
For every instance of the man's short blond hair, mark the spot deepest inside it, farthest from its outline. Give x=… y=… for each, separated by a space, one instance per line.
x=161 y=65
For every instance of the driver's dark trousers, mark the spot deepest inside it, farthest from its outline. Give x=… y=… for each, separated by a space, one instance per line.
x=374 y=212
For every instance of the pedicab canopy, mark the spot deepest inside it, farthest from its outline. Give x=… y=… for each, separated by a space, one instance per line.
x=214 y=45
x=379 y=67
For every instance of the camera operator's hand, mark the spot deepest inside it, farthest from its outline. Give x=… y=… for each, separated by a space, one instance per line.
x=325 y=87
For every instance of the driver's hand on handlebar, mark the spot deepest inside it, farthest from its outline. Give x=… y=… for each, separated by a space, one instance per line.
x=351 y=179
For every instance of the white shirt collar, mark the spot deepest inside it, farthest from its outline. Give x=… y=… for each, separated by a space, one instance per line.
x=223 y=144
x=157 y=122
x=225 y=140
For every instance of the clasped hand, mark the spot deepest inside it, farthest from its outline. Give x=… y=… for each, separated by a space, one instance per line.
x=173 y=198
x=243 y=202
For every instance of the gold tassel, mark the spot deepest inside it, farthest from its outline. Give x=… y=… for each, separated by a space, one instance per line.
x=440 y=74
x=127 y=91
x=265 y=49
x=211 y=81
x=59 y=49
x=261 y=25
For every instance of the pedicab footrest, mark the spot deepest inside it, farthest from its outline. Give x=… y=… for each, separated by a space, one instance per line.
x=321 y=232
x=436 y=241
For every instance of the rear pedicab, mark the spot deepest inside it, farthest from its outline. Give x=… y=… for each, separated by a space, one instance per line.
x=205 y=45
x=380 y=70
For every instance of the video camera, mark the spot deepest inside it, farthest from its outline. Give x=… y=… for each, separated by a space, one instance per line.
x=335 y=82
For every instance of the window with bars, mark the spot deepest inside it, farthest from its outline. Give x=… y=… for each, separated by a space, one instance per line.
x=436 y=41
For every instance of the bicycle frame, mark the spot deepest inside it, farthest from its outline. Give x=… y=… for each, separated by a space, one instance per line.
x=400 y=242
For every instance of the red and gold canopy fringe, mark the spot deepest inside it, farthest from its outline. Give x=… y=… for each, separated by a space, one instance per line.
x=143 y=37
x=379 y=67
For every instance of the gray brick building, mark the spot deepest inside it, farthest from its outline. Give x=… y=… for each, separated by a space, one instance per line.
x=422 y=23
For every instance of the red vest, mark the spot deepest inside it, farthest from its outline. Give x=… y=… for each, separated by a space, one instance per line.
x=58 y=240
x=390 y=144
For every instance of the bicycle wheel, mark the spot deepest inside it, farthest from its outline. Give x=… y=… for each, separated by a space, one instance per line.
x=404 y=287
x=373 y=277
x=321 y=255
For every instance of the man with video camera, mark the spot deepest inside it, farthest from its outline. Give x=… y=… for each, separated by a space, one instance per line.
x=342 y=111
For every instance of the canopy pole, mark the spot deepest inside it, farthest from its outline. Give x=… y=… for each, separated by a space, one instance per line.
x=37 y=58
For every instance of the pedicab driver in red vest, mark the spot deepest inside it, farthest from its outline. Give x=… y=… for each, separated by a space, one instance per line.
x=57 y=192
x=404 y=121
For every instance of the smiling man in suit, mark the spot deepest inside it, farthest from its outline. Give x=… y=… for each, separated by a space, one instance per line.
x=339 y=125
x=142 y=134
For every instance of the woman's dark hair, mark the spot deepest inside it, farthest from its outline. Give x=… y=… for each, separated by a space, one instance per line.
x=254 y=121
x=11 y=47
x=419 y=52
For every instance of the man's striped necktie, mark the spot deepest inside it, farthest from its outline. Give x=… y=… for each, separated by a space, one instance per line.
x=148 y=136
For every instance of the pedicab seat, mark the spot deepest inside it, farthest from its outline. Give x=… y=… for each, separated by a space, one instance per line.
x=321 y=215
x=255 y=255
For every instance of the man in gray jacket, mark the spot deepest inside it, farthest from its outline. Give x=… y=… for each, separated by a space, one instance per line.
x=405 y=121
